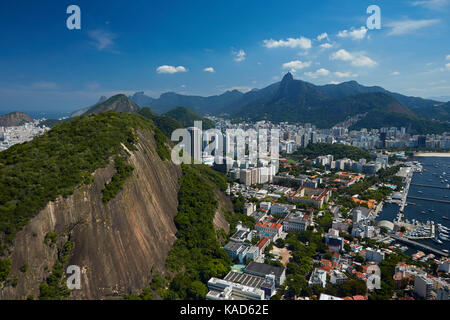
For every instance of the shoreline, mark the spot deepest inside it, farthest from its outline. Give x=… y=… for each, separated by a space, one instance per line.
x=432 y=154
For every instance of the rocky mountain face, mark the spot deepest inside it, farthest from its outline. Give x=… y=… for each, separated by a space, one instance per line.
x=115 y=244
x=14 y=119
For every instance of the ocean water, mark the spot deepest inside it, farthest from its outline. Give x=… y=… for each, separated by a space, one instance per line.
x=434 y=168
x=48 y=114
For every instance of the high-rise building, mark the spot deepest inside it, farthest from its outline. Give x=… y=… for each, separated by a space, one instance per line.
x=194 y=147
x=423 y=286
x=422 y=141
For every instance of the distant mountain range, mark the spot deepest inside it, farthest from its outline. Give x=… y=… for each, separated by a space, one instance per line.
x=178 y=117
x=290 y=100
x=299 y=101
x=14 y=119
x=202 y=105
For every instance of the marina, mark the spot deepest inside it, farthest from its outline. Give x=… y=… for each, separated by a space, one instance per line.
x=421 y=246
x=423 y=206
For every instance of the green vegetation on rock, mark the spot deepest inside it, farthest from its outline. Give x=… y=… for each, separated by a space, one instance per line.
x=166 y=124
x=196 y=255
x=54 y=288
x=5 y=268
x=56 y=163
x=123 y=172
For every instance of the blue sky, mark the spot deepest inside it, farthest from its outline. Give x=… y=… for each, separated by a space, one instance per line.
x=208 y=47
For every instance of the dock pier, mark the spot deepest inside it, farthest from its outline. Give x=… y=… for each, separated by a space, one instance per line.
x=420 y=246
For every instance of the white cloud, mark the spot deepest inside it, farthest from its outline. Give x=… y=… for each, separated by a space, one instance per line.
x=395 y=73
x=334 y=82
x=409 y=26
x=342 y=55
x=322 y=36
x=301 y=42
x=447 y=66
x=447 y=57
x=318 y=73
x=356 y=59
x=170 y=69
x=239 y=55
x=326 y=45
x=345 y=74
x=355 y=34
x=209 y=69
x=432 y=4
x=102 y=39
x=293 y=66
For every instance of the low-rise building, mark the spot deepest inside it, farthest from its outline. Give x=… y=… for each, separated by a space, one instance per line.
x=262 y=244
x=228 y=290
x=267 y=284
x=265 y=206
x=269 y=230
x=316 y=197
x=241 y=236
x=282 y=208
x=241 y=251
x=264 y=270
x=318 y=277
x=295 y=222
x=337 y=277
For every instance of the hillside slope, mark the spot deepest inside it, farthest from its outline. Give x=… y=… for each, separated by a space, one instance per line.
x=166 y=124
x=115 y=243
x=187 y=118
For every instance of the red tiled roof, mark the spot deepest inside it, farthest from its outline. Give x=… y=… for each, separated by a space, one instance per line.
x=327 y=269
x=325 y=262
x=269 y=225
x=262 y=243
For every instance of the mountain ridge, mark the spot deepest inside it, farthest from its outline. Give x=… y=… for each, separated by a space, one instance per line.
x=232 y=102
x=14 y=119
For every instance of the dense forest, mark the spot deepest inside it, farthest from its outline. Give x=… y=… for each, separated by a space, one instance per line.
x=196 y=255
x=166 y=124
x=187 y=117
